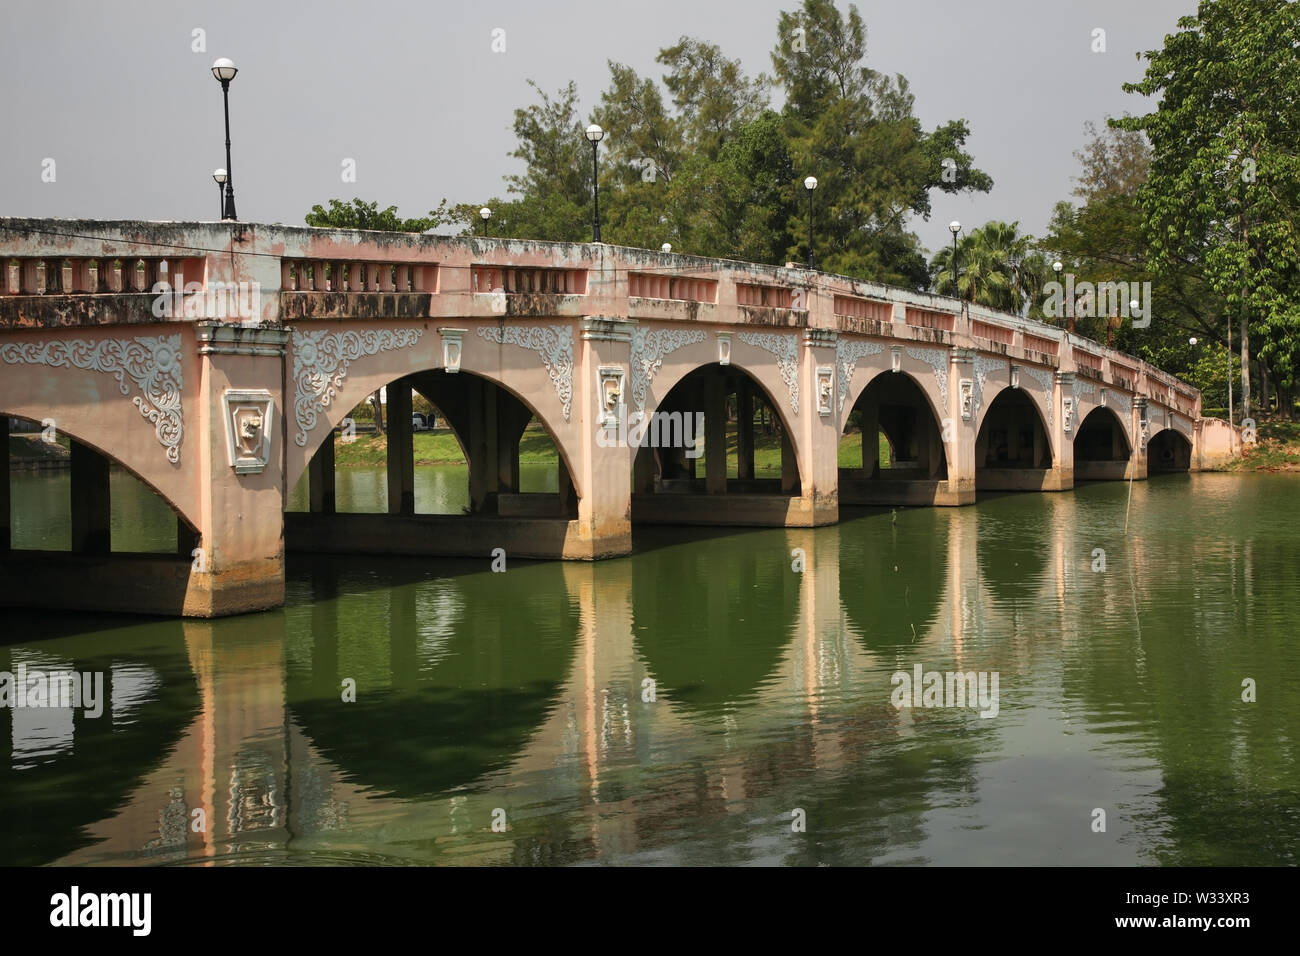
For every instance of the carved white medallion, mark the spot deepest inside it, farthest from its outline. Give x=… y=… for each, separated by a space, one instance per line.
x=248 y=429
x=609 y=394
x=724 y=348
x=451 y=349
x=825 y=389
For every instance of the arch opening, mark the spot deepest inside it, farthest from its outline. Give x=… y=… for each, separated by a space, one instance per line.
x=717 y=436
x=1168 y=452
x=64 y=494
x=892 y=450
x=1012 y=449
x=1101 y=448
x=486 y=455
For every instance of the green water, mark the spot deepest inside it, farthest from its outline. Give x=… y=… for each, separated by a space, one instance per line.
x=523 y=698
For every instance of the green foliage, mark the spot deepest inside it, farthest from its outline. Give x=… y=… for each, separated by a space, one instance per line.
x=1104 y=238
x=997 y=267
x=1224 y=186
x=701 y=162
x=856 y=130
x=359 y=214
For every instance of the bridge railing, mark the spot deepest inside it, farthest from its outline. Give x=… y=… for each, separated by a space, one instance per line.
x=76 y=259
x=327 y=275
x=82 y=275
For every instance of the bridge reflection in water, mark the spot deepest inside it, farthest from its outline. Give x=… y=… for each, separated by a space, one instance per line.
x=529 y=692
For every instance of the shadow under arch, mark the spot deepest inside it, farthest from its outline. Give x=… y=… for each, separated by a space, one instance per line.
x=677 y=424
x=893 y=574
x=47 y=806
x=1101 y=446
x=896 y=405
x=1168 y=452
x=187 y=531
x=711 y=620
x=487 y=419
x=461 y=397
x=1013 y=451
x=451 y=680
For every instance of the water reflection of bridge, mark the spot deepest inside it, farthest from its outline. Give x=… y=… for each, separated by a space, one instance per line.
x=446 y=728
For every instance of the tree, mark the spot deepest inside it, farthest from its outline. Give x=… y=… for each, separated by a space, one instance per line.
x=702 y=163
x=1104 y=239
x=554 y=191
x=856 y=130
x=359 y=214
x=713 y=96
x=996 y=267
x=1224 y=186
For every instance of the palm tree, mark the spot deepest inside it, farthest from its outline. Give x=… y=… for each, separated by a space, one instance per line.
x=995 y=266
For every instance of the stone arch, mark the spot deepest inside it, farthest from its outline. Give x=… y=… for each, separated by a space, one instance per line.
x=676 y=399
x=512 y=369
x=1085 y=440
x=102 y=390
x=922 y=371
x=923 y=430
x=1102 y=448
x=101 y=447
x=998 y=383
x=688 y=354
x=1012 y=432
x=1169 y=451
x=325 y=428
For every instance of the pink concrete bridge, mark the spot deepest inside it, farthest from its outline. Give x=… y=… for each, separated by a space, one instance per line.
x=214 y=362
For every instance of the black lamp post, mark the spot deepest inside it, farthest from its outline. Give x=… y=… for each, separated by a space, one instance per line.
x=485 y=214
x=219 y=177
x=595 y=134
x=810 y=184
x=225 y=71
x=955 y=227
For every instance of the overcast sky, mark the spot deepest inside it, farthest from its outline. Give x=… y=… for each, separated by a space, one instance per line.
x=413 y=93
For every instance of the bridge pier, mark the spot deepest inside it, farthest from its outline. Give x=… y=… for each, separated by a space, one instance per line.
x=90 y=501
x=959 y=426
x=239 y=566
x=401 y=452
x=604 y=524
x=321 y=479
x=1060 y=440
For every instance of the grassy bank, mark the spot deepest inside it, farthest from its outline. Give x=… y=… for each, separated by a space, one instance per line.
x=1276 y=451
x=436 y=448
